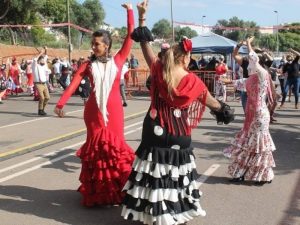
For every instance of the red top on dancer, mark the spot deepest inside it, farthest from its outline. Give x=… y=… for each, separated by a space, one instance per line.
x=106 y=158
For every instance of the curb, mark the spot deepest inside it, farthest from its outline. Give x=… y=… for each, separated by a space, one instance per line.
x=53 y=141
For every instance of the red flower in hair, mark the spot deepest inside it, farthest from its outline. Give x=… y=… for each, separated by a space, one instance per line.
x=187 y=44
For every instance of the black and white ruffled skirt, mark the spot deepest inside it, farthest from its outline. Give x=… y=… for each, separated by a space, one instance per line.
x=162 y=188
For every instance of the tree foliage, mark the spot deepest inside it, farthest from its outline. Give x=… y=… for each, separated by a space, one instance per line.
x=184 y=31
x=162 y=29
x=90 y=14
x=237 y=35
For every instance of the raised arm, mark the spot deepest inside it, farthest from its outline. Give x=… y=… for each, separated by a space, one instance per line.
x=127 y=44
x=254 y=65
x=146 y=48
x=237 y=57
x=294 y=52
x=70 y=89
x=41 y=52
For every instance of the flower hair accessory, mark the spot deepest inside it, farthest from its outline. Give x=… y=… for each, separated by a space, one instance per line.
x=186 y=44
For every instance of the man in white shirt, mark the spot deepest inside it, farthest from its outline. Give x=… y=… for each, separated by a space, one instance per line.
x=40 y=72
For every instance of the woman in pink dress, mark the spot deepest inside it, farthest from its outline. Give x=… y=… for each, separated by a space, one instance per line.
x=251 y=150
x=106 y=158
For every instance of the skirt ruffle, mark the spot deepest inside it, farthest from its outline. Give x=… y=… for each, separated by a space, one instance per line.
x=162 y=187
x=106 y=164
x=253 y=141
x=252 y=156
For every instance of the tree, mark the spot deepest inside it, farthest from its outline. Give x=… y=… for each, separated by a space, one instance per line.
x=21 y=12
x=97 y=13
x=54 y=11
x=162 y=29
x=122 y=31
x=89 y=15
x=184 y=31
x=288 y=38
x=268 y=41
x=4 y=9
x=237 y=35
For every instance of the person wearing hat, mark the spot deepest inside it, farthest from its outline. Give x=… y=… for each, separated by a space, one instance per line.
x=40 y=74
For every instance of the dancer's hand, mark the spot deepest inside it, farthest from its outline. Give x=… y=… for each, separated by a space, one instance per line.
x=59 y=112
x=127 y=5
x=250 y=39
x=142 y=8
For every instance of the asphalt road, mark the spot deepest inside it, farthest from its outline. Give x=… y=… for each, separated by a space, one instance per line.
x=39 y=171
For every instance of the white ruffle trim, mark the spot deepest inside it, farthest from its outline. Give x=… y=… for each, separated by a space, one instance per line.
x=165 y=219
x=142 y=166
x=157 y=195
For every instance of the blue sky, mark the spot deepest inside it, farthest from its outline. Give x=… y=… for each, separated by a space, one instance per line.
x=259 y=11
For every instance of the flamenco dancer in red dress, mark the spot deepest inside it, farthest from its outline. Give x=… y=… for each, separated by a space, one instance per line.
x=106 y=158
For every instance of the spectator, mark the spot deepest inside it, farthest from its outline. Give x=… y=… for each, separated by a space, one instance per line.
x=122 y=83
x=221 y=73
x=2 y=82
x=40 y=72
x=29 y=76
x=243 y=62
x=292 y=69
x=193 y=66
x=134 y=64
x=14 y=74
x=202 y=63
x=126 y=75
x=56 y=69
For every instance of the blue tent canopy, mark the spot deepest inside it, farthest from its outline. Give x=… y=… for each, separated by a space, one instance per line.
x=214 y=43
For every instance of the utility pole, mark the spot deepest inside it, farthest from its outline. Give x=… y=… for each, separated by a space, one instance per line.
x=172 y=23
x=202 y=25
x=69 y=31
x=277 y=33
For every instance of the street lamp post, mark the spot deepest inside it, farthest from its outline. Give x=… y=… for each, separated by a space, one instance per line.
x=172 y=23
x=202 y=24
x=277 y=33
x=69 y=31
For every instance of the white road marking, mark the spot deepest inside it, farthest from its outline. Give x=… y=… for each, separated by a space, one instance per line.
x=50 y=161
x=132 y=131
x=207 y=174
x=132 y=125
x=29 y=121
x=39 y=157
x=34 y=168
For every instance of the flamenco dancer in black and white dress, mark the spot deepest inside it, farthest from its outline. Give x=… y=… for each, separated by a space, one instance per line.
x=162 y=188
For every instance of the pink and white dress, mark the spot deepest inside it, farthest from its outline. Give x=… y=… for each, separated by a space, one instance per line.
x=251 y=150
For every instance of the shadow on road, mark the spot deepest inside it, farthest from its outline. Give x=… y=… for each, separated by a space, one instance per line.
x=59 y=205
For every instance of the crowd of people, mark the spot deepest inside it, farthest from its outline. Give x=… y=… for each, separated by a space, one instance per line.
x=158 y=183
x=16 y=78
x=284 y=73
x=23 y=77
